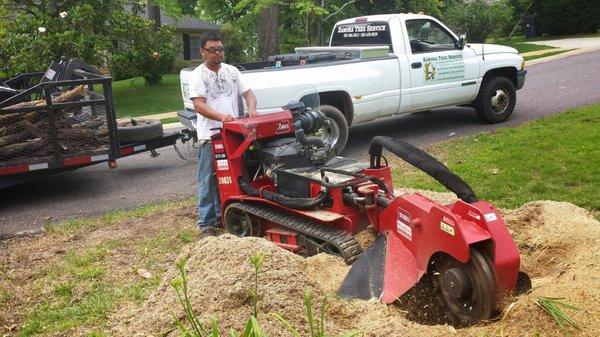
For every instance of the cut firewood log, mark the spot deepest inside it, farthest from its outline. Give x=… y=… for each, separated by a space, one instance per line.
x=31 y=146
x=68 y=96
x=14 y=138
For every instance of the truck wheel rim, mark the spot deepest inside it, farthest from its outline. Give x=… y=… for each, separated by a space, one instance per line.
x=499 y=101
x=330 y=134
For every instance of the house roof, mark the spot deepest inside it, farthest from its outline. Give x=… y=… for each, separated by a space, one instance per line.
x=187 y=22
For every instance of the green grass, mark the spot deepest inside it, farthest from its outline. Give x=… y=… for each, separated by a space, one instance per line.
x=554 y=307
x=84 y=298
x=553 y=158
x=522 y=38
x=134 y=98
x=75 y=225
x=169 y=120
x=533 y=57
x=521 y=45
x=79 y=291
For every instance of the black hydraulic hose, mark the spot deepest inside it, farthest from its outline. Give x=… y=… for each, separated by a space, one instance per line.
x=295 y=203
x=308 y=141
x=424 y=162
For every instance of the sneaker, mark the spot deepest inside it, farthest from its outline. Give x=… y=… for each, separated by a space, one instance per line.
x=206 y=232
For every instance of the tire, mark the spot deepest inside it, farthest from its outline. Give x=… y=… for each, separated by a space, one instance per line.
x=336 y=134
x=139 y=130
x=496 y=100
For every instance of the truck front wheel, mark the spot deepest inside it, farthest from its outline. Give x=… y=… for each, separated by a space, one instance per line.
x=496 y=100
x=336 y=133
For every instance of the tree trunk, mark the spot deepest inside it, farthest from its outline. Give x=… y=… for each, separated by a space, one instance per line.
x=268 y=37
x=153 y=15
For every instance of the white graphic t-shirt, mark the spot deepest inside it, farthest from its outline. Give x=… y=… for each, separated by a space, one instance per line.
x=221 y=90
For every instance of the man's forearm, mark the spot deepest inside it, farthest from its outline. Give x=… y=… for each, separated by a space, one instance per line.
x=206 y=111
x=251 y=102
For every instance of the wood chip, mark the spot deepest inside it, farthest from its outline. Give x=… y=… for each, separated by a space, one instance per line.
x=144 y=273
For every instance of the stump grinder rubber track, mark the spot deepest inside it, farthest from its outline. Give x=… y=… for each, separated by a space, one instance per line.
x=346 y=245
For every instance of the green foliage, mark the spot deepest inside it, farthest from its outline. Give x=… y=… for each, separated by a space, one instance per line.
x=478 y=19
x=144 y=53
x=35 y=33
x=554 y=307
x=257 y=261
x=560 y=17
x=233 y=39
x=315 y=328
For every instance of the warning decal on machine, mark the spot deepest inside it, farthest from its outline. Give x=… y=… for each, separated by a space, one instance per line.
x=403 y=223
x=222 y=165
x=447 y=228
x=489 y=217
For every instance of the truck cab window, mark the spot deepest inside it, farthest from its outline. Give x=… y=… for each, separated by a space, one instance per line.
x=427 y=36
x=374 y=33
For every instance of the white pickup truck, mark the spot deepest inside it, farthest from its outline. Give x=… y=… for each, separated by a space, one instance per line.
x=381 y=65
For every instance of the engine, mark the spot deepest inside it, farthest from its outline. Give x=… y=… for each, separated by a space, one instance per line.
x=301 y=150
x=286 y=160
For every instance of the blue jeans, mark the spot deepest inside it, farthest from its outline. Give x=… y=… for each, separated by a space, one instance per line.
x=209 y=205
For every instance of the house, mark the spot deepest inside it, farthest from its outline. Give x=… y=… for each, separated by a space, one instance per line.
x=187 y=32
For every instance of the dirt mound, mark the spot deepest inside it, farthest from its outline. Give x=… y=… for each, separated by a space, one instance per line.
x=560 y=249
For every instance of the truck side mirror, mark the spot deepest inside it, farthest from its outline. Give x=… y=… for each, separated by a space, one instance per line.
x=460 y=44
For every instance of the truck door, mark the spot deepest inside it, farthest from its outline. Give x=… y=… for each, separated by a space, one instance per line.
x=440 y=72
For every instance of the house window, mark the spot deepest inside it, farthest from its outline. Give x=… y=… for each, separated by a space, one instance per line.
x=195 y=47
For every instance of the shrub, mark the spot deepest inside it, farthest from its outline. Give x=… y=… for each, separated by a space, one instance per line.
x=478 y=19
x=143 y=53
x=560 y=17
x=96 y=31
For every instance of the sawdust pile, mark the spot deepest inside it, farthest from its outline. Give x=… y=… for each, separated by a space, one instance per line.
x=560 y=249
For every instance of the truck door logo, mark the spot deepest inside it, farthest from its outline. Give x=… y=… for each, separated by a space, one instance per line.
x=283 y=127
x=429 y=71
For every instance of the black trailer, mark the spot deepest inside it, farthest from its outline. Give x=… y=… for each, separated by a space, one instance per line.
x=61 y=120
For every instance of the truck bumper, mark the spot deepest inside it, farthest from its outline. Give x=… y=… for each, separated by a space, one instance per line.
x=187 y=118
x=521 y=78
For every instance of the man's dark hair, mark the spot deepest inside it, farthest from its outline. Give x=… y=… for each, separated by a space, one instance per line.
x=209 y=36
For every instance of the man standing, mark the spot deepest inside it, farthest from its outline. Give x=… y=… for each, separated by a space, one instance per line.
x=214 y=89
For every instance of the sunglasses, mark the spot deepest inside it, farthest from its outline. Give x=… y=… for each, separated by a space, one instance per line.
x=213 y=50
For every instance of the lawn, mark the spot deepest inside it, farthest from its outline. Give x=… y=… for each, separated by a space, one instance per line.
x=550 y=53
x=520 y=44
x=134 y=98
x=554 y=158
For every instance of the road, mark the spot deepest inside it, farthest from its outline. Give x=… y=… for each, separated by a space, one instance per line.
x=549 y=88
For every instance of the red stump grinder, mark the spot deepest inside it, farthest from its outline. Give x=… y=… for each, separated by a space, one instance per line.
x=276 y=181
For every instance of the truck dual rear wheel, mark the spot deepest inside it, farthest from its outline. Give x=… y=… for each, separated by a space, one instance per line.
x=496 y=100
x=336 y=134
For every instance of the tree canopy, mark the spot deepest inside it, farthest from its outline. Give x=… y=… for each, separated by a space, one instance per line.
x=108 y=32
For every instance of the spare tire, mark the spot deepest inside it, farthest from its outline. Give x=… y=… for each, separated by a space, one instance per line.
x=138 y=130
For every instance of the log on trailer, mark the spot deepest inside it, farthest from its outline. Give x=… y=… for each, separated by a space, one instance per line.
x=25 y=134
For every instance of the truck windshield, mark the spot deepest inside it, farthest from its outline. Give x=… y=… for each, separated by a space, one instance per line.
x=362 y=34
